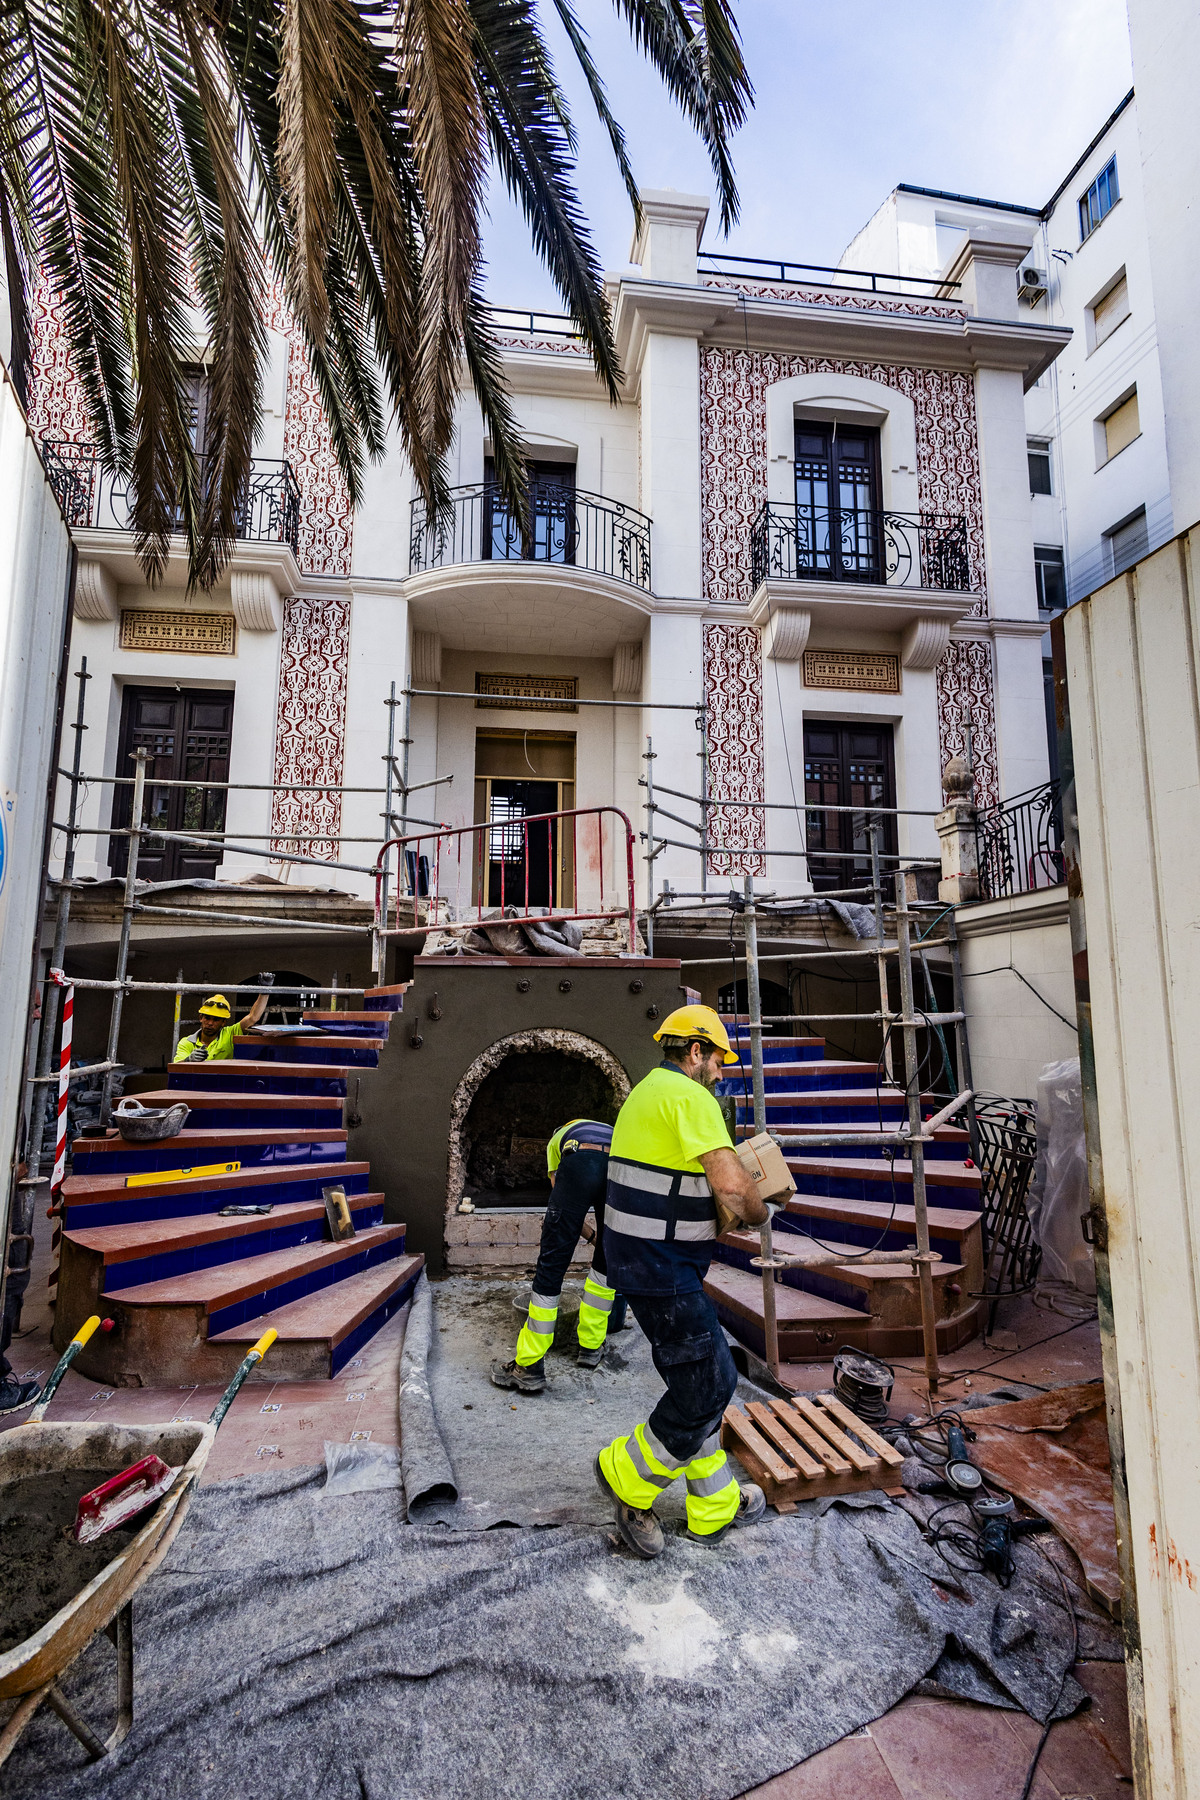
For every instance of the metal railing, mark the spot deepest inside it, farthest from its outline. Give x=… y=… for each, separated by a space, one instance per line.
x=564 y=525
x=1019 y=846
x=503 y=864
x=92 y=497
x=868 y=281
x=534 y=324
x=790 y=543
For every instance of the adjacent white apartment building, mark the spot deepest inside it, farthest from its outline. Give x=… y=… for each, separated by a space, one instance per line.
x=1099 y=484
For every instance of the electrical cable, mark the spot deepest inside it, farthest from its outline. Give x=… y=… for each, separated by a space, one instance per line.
x=1068 y=1666
x=1008 y=969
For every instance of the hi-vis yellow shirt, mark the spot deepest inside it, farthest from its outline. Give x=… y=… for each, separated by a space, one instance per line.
x=671 y=1121
x=220 y=1047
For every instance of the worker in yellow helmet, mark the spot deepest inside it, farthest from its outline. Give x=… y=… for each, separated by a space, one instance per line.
x=213 y=1042
x=670 y=1155
x=577 y=1160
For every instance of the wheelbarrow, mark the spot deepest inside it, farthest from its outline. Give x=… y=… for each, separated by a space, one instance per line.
x=30 y=1671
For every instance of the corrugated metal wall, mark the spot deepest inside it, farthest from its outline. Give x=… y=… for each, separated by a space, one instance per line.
x=1133 y=673
x=35 y=552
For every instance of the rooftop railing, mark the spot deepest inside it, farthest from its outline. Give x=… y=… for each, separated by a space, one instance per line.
x=92 y=497
x=565 y=525
x=930 y=550
x=1019 y=846
x=866 y=281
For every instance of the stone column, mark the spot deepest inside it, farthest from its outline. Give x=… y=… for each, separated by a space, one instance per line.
x=956 y=830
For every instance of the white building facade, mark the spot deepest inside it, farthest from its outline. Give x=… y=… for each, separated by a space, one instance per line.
x=809 y=514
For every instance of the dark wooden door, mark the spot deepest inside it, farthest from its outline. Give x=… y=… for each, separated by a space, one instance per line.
x=552 y=526
x=523 y=865
x=838 y=523
x=186 y=734
x=848 y=765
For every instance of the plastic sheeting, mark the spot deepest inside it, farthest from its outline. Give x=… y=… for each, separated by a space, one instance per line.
x=1058 y=1195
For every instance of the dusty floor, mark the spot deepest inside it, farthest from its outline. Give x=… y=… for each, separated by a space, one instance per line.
x=924 y=1749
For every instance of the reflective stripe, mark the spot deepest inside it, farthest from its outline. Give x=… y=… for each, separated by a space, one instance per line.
x=709 y=1447
x=601 y=1303
x=658 y=1181
x=660 y=1453
x=695 y=1231
x=541 y=1327
x=634 y=1452
x=633 y=1226
x=702 y=1487
x=550 y=1301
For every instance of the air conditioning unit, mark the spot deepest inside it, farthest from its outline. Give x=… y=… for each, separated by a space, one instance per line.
x=1031 y=283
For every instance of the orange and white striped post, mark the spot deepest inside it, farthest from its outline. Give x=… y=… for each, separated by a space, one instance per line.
x=64 y=1093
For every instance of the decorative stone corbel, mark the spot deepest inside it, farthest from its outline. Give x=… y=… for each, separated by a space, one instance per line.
x=95 y=592
x=785 y=633
x=956 y=831
x=257 y=603
x=924 y=643
x=627 y=670
x=426 y=659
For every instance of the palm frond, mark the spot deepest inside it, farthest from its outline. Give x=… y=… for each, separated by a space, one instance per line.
x=577 y=38
x=308 y=109
x=486 y=367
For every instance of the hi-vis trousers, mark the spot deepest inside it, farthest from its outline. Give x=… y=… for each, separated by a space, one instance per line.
x=580 y=1186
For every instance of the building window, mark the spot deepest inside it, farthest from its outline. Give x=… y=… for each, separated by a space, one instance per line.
x=847 y=765
x=1099 y=200
x=1118 y=428
x=552 y=527
x=837 y=501
x=1051 y=579
x=1128 y=541
x=186 y=733
x=1111 y=310
x=1039 y=468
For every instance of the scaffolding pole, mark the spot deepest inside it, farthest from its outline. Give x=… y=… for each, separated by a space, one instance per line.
x=129 y=907
x=912 y=1075
x=754 y=1007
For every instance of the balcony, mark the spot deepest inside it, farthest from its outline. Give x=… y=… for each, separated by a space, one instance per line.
x=1019 y=846
x=92 y=498
x=566 y=527
x=854 y=544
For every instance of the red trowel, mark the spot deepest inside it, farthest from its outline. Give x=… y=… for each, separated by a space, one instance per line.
x=122 y=1497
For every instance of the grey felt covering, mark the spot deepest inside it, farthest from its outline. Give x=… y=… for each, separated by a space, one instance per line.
x=297 y=1643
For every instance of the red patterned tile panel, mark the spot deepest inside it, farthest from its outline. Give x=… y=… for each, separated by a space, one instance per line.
x=966 y=695
x=736 y=764
x=863 y=299
x=310 y=732
x=57 y=408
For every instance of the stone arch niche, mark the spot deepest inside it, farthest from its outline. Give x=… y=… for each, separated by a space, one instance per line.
x=507 y=1104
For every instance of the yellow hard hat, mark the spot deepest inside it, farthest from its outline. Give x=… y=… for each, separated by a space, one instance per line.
x=216 y=1007
x=696 y=1022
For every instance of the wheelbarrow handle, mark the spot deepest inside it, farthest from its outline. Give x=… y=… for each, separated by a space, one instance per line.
x=256 y=1355
x=86 y=1331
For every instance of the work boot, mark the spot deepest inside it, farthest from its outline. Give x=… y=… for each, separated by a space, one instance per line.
x=751 y=1507
x=640 y=1531
x=529 y=1378
x=589 y=1359
x=16 y=1395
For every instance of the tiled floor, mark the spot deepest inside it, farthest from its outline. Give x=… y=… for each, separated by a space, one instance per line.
x=924 y=1749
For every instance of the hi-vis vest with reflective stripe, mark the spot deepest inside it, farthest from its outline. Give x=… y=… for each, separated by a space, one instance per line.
x=659 y=1205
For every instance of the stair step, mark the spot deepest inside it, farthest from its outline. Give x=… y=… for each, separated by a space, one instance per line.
x=248 y=1287
x=344 y=1050
x=351 y=1024
x=864 y=1219
x=236 y=1076
x=862 y=1274
x=133 y=1254
x=779 y=1047
x=97 y=1200
x=253 y=1147
x=811 y=1328
x=336 y=1321
x=885 y=1290
x=212 y=1110
x=386 y=999
x=859 y=1178
x=947 y=1145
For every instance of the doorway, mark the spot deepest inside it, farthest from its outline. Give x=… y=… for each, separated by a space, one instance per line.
x=525 y=859
x=186 y=734
x=838 y=521
x=847 y=765
x=551 y=532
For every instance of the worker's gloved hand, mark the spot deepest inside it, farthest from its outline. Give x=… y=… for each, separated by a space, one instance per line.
x=265 y=978
x=198 y=1055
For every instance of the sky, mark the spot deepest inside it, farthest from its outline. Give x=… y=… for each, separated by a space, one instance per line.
x=995 y=98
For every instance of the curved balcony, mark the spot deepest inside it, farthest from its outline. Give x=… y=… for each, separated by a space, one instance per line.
x=565 y=526
x=92 y=498
x=854 y=544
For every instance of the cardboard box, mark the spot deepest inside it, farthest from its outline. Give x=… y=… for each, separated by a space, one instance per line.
x=763 y=1161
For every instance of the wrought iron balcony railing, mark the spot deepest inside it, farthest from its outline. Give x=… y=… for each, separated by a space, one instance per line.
x=1019 y=846
x=91 y=496
x=565 y=525
x=789 y=543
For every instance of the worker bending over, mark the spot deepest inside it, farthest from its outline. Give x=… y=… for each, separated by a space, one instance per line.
x=213 y=1042
x=670 y=1155
x=577 y=1159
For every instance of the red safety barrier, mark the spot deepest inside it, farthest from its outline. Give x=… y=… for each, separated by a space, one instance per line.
x=494 y=848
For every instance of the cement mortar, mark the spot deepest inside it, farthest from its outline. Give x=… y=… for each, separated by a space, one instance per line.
x=41 y=1565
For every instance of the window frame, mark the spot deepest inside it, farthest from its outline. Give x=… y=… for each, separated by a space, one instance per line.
x=1108 y=180
x=1040 y=447
x=1105 y=455
x=1120 y=279
x=1049 y=556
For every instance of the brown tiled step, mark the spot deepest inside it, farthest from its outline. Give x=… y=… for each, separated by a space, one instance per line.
x=881 y=1168
x=326 y=1041
x=330 y=1020
x=227 y=1284
x=887 y=1291
x=212 y=1098
x=811 y=1328
x=953 y=1231
x=244 y=1066
x=202 y=1138
x=114 y=1244
x=83 y=1190
x=330 y=1316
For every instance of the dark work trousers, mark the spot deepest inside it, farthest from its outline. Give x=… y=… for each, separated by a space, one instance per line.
x=580 y=1186
x=692 y=1356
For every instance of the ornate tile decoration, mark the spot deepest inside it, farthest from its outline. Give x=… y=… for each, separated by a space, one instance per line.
x=194 y=633
x=862 y=299
x=310 y=731
x=326 y=515
x=57 y=409
x=966 y=695
x=733 y=453
x=736 y=768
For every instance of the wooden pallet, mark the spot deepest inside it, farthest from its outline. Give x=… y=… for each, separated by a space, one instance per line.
x=808 y=1447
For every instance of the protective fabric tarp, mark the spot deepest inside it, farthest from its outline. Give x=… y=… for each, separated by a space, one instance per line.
x=428 y=1474
x=298 y=1645
x=1058 y=1194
